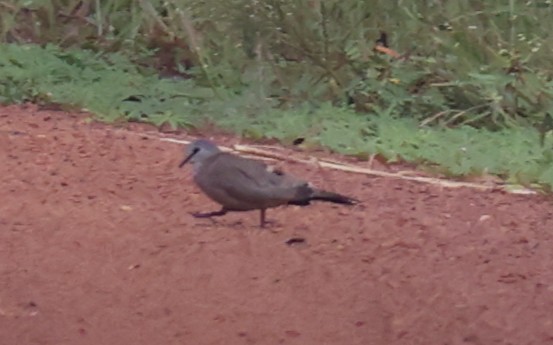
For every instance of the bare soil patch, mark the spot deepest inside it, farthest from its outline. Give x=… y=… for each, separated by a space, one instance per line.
x=97 y=246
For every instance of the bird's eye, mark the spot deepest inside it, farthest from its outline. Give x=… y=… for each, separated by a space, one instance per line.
x=196 y=150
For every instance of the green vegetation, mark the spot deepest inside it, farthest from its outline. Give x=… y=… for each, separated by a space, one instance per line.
x=469 y=93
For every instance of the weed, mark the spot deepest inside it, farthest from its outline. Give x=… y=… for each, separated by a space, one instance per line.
x=485 y=64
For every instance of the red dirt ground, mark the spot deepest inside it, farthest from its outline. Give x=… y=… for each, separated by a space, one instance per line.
x=97 y=246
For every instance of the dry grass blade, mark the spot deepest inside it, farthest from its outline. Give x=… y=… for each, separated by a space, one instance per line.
x=252 y=151
x=360 y=170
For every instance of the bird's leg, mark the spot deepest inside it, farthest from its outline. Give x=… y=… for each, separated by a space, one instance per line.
x=262 y=218
x=219 y=213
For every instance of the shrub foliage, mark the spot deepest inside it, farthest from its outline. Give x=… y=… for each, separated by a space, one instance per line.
x=483 y=63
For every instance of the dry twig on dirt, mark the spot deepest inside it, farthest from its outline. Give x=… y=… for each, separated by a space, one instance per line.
x=262 y=152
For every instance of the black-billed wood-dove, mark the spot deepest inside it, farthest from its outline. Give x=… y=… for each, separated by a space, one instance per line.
x=242 y=184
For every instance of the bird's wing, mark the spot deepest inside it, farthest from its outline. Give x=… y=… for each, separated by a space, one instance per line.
x=247 y=181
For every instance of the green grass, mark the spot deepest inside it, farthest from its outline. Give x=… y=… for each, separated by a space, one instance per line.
x=483 y=63
x=113 y=88
x=107 y=85
x=514 y=154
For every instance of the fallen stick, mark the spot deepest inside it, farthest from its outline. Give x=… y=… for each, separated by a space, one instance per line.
x=332 y=164
x=359 y=170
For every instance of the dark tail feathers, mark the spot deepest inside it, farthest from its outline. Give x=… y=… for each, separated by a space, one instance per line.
x=321 y=195
x=333 y=197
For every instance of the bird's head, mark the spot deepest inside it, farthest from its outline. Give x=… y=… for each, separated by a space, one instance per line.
x=198 y=151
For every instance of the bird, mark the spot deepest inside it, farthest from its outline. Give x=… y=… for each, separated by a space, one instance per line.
x=242 y=184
